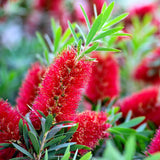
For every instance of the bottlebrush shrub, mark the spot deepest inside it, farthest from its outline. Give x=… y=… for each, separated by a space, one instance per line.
x=143 y=103
x=30 y=87
x=61 y=88
x=148 y=69
x=92 y=127
x=9 y=131
x=104 y=81
x=155 y=145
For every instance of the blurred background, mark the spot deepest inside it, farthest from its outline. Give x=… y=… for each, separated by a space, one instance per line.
x=19 y=47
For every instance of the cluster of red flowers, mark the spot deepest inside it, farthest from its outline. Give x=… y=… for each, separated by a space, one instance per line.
x=9 y=130
x=148 y=69
x=56 y=90
x=92 y=126
x=143 y=103
x=104 y=81
x=155 y=145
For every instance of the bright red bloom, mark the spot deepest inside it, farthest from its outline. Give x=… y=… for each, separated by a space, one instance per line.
x=92 y=127
x=149 y=69
x=104 y=81
x=140 y=11
x=9 y=130
x=143 y=103
x=61 y=89
x=29 y=88
x=155 y=145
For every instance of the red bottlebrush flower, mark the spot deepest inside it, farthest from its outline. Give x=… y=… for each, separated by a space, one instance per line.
x=104 y=80
x=148 y=69
x=61 y=88
x=9 y=130
x=92 y=127
x=143 y=103
x=140 y=11
x=155 y=145
x=29 y=88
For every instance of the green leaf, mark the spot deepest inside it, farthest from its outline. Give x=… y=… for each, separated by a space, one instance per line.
x=75 y=155
x=22 y=150
x=57 y=39
x=48 y=123
x=94 y=29
x=119 y=130
x=107 y=33
x=34 y=141
x=155 y=156
x=132 y=122
x=21 y=126
x=41 y=113
x=46 y=54
x=67 y=33
x=67 y=154
x=81 y=32
x=86 y=18
x=116 y=20
x=107 y=49
x=87 y=156
x=19 y=158
x=122 y=34
x=130 y=148
x=41 y=41
x=79 y=47
x=73 y=32
x=53 y=25
x=61 y=146
x=107 y=13
x=46 y=155
x=25 y=135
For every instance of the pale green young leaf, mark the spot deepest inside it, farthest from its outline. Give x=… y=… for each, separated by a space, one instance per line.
x=116 y=20
x=79 y=47
x=107 y=49
x=94 y=29
x=67 y=33
x=81 y=32
x=87 y=156
x=46 y=155
x=67 y=154
x=104 y=7
x=75 y=155
x=107 y=33
x=73 y=32
x=155 y=156
x=46 y=54
x=130 y=148
x=53 y=26
x=107 y=13
x=57 y=39
x=86 y=18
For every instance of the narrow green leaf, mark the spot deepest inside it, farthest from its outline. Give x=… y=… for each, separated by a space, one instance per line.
x=81 y=32
x=25 y=135
x=41 y=113
x=86 y=18
x=19 y=158
x=122 y=34
x=41 y=41
x=119 y=130
x=79 y=47
x=107 y=33
x=132 y=122
x=46 y=155
x=53 y=25
x=21 y=126
x=73 y=32
x=104 y=7
x=130 y=148
x=67 y=154
x=89 y=50
x=95 y=10
x=67 y=33
x=22 y=150
x=116 y=20
x=54 y=141
x=107 y=49
x=57 y=39
x=34 y=141
x=155 y=156
x=107 y=13
x=48 y=123
x=75 y=155
x=87 y=156
x=94 y=29
x=46 y=54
